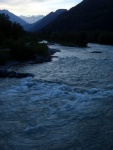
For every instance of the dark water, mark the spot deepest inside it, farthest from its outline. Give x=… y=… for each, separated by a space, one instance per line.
x=67 y=106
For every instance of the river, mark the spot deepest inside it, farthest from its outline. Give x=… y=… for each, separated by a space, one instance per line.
x=68 y=105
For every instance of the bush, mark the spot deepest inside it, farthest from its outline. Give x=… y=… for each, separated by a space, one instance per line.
x=25 y=51
x=4 y=56
x=2 y=37
x=106 y=38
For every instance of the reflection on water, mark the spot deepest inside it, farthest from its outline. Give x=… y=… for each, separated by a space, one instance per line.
x=67 y=106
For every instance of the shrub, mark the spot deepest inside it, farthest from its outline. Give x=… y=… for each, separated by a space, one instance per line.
x=4 y=56
x=25 y=51
x=106 y=38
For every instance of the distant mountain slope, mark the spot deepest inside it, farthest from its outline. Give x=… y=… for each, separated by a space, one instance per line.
x=13 y=17
x=31 y=19
x=88 y=15
x=46 y=20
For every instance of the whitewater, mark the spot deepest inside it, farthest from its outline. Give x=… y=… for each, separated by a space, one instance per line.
x=67 y=105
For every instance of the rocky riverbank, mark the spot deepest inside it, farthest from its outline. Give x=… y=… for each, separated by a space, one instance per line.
x=13 y=74
x=41 y=59
x=6 y=71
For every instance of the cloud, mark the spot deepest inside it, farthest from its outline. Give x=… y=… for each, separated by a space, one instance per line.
x=36 y=7
x=14 y=2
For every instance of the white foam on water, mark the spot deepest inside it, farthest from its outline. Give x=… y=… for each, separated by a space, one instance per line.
x=64 y=96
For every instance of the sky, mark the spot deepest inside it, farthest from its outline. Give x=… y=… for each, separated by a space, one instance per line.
x=36 y=7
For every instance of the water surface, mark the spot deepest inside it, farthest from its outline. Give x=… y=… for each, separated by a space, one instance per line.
x=68 y=105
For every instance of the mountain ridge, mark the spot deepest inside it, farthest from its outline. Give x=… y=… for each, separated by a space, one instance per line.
x=46 y=20
x=13 y=17
x=87 y=15
x=31 y=19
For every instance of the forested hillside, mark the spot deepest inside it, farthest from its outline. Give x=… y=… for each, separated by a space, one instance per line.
x=91 y=18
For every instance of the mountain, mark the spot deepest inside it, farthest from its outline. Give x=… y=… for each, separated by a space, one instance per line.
x=13 y=17
x=46 y=20
x=86 y=16
x=31 y=19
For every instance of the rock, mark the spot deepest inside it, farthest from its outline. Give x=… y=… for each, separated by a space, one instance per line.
x=13 y=74
x=40 y=60
x=47 y=58
x=96 y=52
x=53 y=51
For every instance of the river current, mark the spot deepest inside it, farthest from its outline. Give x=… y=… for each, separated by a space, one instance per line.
x=68 y=105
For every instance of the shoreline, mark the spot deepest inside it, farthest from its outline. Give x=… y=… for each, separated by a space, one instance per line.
x=7 y=70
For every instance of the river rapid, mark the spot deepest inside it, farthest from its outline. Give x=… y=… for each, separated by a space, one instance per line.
x=68 y=105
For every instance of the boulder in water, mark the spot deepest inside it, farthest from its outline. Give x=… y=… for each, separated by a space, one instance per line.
x=96 y=52
x=13 y=74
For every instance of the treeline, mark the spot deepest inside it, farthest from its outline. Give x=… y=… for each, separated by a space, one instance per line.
x=16 y=44
x=9 y=30
x=65 y=38
x=101 y=37
x=80 y=38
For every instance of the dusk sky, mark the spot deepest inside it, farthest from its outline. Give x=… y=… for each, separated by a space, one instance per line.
x=36 y=7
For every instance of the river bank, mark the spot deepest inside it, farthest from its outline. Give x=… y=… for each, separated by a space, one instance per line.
x=7 y=70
